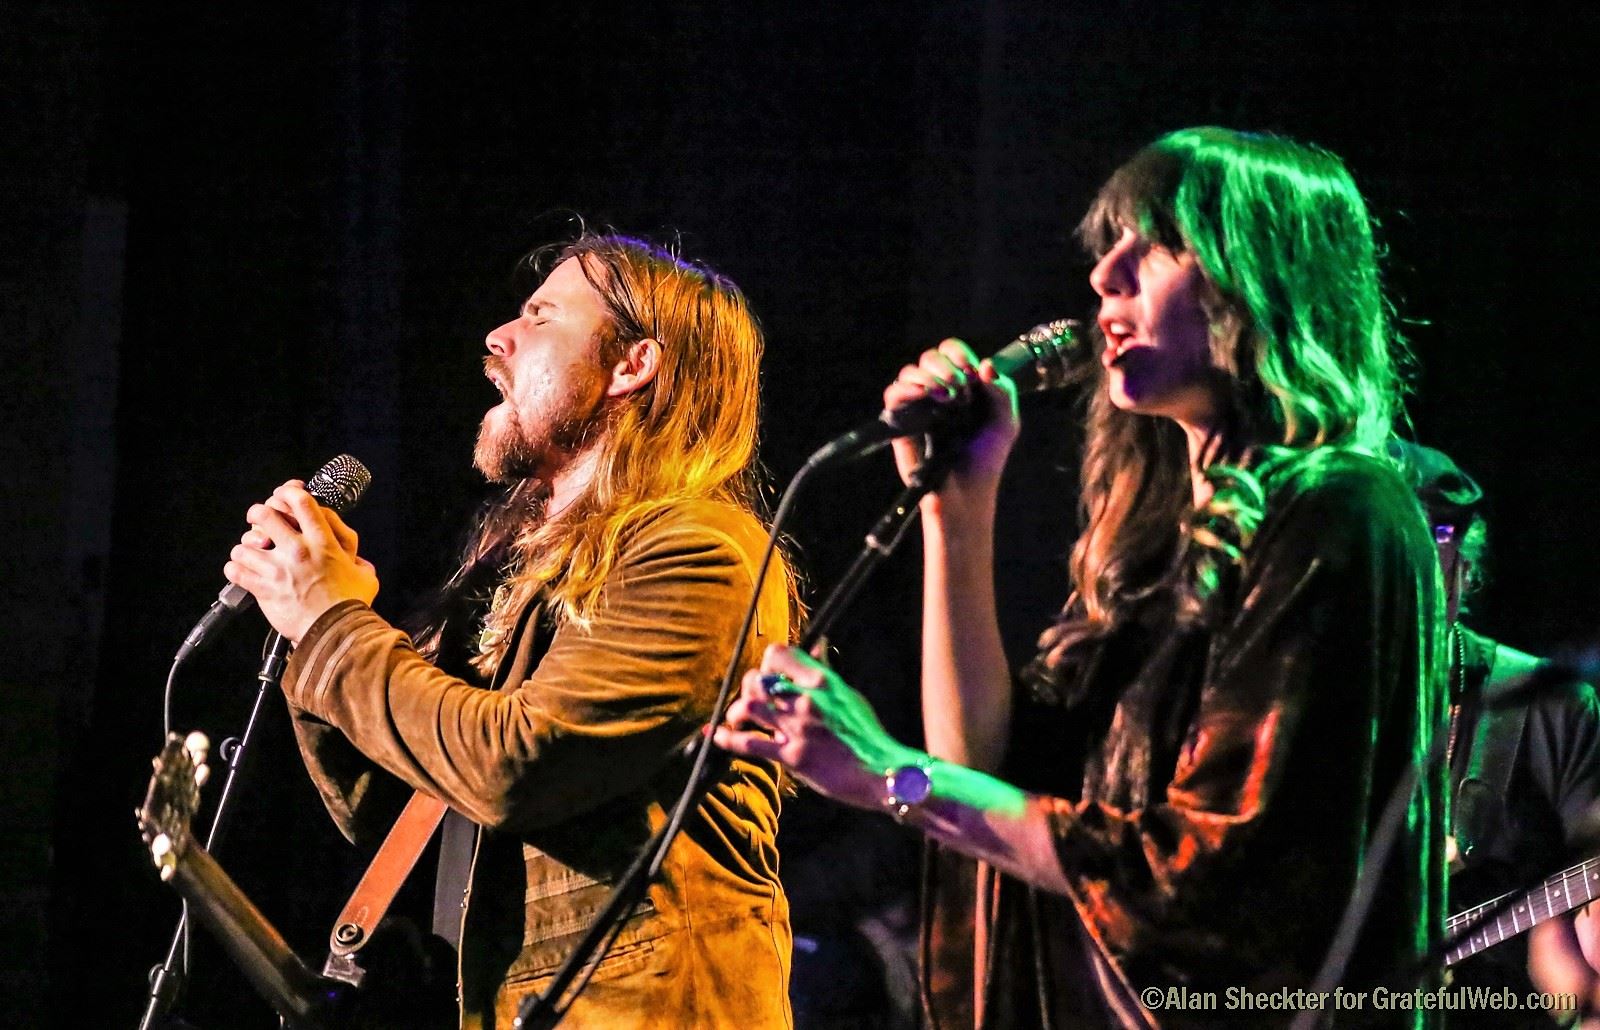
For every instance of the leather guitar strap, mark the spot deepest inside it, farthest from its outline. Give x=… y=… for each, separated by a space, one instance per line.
x=395 y=859
x=389 y=869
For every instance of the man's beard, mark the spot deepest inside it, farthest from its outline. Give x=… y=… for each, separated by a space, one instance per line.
x=513 y=453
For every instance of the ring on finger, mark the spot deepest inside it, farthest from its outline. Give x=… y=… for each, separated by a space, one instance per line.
x=776 y=685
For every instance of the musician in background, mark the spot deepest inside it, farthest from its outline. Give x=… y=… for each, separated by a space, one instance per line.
x=619 y=561
x=1526 y=777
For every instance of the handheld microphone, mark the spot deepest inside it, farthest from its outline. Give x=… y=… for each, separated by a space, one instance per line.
x=1046 y=357
x=338 y=485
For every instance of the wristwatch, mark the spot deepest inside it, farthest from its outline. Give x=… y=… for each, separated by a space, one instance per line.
x=906 y=788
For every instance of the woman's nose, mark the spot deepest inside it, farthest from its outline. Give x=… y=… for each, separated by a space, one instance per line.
x=1112 y=275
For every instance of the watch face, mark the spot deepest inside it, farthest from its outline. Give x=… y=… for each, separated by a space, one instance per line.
x=909 y=785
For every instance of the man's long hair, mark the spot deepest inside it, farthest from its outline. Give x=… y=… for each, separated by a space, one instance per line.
x=1300 y=330
x=690 y=433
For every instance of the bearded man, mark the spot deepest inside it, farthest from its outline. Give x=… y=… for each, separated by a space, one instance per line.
x=619 y=562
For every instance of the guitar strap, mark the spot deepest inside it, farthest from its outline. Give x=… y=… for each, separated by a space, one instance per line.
x=389 y=869
x=397 y=856
x=1485 y=770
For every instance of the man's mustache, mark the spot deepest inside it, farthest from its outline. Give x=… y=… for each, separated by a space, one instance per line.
x=498 y=372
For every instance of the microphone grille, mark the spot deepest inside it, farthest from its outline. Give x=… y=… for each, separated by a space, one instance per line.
x=1055 y=347
x=1055 y=333
x=340 y=483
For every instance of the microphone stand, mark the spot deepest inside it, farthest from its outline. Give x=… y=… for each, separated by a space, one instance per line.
x=166 y=981
x=541 y=1012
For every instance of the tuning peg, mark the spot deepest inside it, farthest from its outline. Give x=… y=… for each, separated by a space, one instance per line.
x=198 y=745
x=161 y=852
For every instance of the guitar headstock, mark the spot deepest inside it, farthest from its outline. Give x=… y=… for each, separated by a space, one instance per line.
x=173 y=798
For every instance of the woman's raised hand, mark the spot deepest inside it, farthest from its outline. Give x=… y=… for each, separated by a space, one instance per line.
x=952 y=374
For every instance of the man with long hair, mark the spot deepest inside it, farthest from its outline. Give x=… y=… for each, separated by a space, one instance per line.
x=608 y=587
x=1181 y=789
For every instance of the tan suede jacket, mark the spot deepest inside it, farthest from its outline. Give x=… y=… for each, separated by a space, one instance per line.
x=567 y=769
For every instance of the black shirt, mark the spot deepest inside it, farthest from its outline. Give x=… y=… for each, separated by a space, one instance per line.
x=1515 y=827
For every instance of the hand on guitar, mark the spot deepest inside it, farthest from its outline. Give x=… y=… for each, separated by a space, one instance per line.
x=1559 y=962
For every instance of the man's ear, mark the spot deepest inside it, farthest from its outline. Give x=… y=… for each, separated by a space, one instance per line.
x=636 y=369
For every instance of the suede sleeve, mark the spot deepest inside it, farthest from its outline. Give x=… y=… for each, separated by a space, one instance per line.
x=601 y=714
x=362 y=799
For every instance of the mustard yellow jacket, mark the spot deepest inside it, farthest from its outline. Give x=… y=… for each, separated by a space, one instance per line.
x=567 y=768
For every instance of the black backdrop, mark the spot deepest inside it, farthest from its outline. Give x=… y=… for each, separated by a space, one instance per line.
x=287 y=227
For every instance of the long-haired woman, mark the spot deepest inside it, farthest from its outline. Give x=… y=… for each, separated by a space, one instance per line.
x=1180 y=788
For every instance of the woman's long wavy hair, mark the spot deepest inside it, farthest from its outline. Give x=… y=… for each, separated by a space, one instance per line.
x=690 y=433
x=1299 y=326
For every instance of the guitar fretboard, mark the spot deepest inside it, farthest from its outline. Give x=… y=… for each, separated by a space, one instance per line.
x=1563 y=892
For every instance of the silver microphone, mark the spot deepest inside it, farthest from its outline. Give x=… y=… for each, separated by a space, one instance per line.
x=1047 y=357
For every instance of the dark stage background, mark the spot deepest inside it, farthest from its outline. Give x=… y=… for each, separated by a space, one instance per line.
x=241 y=238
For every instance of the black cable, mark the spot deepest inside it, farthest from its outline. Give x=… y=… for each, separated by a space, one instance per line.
x=548 y=1009
x=166 y=979
x=575 y=973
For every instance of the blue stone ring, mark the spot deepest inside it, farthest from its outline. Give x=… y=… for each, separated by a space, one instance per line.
x=776 y=684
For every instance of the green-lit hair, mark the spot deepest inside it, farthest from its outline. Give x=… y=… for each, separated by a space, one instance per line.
x=1298 y=322
x=1285 y=243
